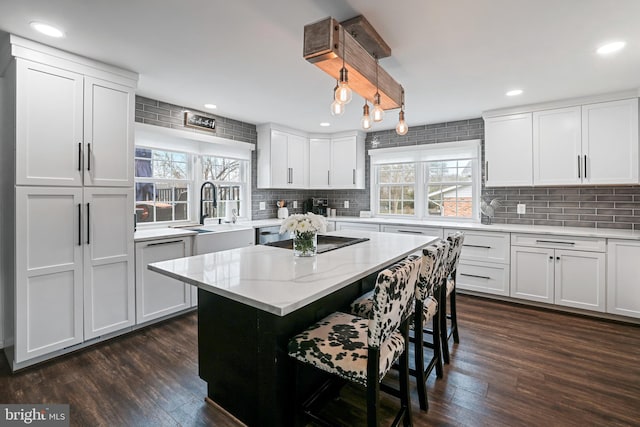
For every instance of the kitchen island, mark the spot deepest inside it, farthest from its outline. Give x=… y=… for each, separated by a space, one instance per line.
x=252 y=300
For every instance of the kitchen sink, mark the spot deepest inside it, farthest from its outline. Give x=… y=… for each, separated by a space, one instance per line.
x=325 y=243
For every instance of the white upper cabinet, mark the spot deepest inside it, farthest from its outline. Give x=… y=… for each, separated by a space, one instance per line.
x=319 y=162
x=72 y=128
x=610 y=142
x=579 y=144
x=283 y=159
x=337 y=162
x=508 y=150
x=108 y=133
x=557 y=152
x=49 y=110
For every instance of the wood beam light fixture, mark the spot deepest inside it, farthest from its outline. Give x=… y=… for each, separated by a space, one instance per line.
x=349 y=53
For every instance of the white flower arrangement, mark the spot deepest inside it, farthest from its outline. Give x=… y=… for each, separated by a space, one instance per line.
x=303 y=223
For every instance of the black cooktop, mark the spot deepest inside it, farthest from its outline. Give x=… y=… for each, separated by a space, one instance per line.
x=325 y=243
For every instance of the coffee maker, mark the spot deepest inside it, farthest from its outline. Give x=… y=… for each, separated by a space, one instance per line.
x=317 y=205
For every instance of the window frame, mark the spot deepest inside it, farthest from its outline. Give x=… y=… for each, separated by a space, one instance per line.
x=420 y=156
x=244 y=184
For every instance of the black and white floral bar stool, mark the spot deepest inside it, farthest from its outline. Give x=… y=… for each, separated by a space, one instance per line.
x=449 y=292
x=362 y=350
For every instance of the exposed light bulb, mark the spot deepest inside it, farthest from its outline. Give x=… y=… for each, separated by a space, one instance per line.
x=343 y=93
x=378 y=112
x=337 y=108
x=401 y=127
x=366 y=118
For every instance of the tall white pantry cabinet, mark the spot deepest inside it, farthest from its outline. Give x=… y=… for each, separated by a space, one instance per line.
x=67 y=180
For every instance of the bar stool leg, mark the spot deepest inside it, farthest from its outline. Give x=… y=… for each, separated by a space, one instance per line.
x=454 y=316
x=443 y=322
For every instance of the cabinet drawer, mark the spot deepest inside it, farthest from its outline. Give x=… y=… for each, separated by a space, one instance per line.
x=403 y=229
x=593 y=244
x=480 y=277
x=483 y=246
x=357 y=226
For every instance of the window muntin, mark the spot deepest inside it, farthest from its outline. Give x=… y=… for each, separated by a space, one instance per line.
x=163 y=180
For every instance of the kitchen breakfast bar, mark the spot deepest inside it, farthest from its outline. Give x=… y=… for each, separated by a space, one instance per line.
x=252 y=300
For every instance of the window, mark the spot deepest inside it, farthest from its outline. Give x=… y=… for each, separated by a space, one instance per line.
x=230 y=177
x=396 y=189
x=427 y=181
x=163 y=180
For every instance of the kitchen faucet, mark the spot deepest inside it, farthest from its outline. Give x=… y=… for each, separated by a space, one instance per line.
x=215 y=202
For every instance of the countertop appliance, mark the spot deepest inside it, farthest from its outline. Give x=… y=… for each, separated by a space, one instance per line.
x=319 y=206
x=270 y=234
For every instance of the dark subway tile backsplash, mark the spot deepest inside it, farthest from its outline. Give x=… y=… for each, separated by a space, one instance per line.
x=585 y=206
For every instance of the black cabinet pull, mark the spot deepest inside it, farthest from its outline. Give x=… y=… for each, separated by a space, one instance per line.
x=555 y=242
x=558 y=258
x=551 y=257
x=585 y=165
x=79 y=156
x=579 y=167
x=88 y=223
x=477 y=246
x=409 y=231
x=88 y=157
x=486 y=171
x=79 y=224
x=476 y=276
x=165 y=243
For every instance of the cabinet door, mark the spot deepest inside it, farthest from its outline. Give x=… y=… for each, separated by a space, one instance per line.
x=109 y=297
x=508 y=151
x=623 y=277
x=532 y=273
x=108 y=134
x=557 y=153
x=320 y=156
x=343 y=162
x=48 y=289
x=158 y=295
x=610 y=142
x=580 y=279
x=279 y=165
x=297 y=159
x=48 y=125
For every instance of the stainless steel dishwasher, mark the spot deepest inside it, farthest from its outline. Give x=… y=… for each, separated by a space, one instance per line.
x=270 y=234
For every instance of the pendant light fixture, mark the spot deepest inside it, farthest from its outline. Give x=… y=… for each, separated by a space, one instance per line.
x=343 y=93
x=337 y=108
x=378 y=112
x=401 y=127
x=366 y=118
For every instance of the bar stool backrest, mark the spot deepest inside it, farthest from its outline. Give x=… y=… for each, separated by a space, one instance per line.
x=455 y=241
x=393 y=298
x=432 y=261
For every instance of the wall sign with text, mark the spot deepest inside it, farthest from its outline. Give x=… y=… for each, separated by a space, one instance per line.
x=200 y=122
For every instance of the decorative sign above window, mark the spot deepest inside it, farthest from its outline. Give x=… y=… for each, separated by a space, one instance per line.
x=200 y=122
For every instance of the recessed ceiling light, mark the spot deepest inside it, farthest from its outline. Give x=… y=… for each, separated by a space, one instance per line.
x=514 y=92
x=47 y=29
x=210 y=106
x=325 y=124
x=610 y=48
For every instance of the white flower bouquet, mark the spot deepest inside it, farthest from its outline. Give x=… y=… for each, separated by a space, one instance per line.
x=304 y=230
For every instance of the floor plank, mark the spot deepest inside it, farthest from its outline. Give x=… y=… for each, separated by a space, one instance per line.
x=515 y=365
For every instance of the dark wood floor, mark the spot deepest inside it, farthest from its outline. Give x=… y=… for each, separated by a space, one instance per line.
x=514 y=366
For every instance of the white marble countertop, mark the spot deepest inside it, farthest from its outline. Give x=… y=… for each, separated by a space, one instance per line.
x=182 y=231
x=609 y=233
x=273 y=280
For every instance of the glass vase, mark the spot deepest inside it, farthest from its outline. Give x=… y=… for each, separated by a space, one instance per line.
x=305 y=243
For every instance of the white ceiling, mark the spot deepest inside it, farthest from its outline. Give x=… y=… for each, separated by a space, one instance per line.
x=454 y=58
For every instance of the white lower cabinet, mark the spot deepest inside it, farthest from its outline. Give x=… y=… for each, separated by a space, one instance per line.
x=546 y=273
x=73 y=267
x=623 y=277
x=484 y=262
x=157 y=295
x=345 y=225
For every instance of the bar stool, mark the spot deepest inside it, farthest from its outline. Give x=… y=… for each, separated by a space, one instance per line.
x=449 y=291
x=426 y=310
x=361 y=350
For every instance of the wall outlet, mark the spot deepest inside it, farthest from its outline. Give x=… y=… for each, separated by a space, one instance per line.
x=263 y=206
x=295 y=204
x=346 y=204
x=521 y=208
